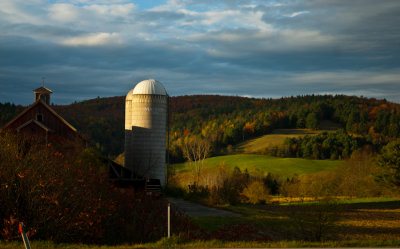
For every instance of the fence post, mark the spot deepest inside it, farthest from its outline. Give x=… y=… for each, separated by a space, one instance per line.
x=169 y=220
x=24 y=236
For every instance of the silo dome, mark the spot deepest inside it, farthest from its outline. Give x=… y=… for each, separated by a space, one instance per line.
x=149 y=86
x=146 y=108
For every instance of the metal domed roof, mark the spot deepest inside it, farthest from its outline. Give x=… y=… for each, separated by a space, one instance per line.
x=129 y=95
x=149 y=86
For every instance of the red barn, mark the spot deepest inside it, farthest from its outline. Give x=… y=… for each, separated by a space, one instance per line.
x=39 y=119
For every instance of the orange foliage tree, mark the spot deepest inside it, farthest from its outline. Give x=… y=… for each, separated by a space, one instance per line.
x=67 y=197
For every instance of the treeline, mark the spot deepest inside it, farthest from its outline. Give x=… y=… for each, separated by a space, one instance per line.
x=8 y=111
x=100 y=120
x=225 y=121
x=228 y=120
x=327 y=145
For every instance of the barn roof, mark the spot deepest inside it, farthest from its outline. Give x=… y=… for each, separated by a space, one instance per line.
x=40 y=102
x=42 y=89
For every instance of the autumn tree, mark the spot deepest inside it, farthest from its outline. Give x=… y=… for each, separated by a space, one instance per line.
x=390 y=161
x=66 y=196
x=195 y=150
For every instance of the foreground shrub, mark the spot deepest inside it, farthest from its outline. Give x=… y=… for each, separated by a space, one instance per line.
x=389 y=160
x=229 y=186
x=256 y=192
x=67 y=197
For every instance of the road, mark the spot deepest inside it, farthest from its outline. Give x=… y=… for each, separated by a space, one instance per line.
x=194 y=209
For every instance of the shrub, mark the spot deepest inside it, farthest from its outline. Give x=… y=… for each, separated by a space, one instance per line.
x=67 y=197
x=256 y=192
x=389 y=160
x=229 y=186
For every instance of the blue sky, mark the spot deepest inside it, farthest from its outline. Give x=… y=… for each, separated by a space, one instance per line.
x=90 y=48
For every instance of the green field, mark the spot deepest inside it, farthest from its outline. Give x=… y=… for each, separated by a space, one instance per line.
x=365 y=219
x=276 y=138
x=263 y=164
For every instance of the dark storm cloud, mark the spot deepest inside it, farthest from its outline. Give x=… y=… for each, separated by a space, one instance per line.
x=248 y=48
x=38 y=30
x=362 y=24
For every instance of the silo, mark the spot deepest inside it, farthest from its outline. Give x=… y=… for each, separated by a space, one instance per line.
x=146 y=107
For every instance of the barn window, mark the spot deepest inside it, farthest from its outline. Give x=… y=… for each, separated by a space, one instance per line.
x=39 y=117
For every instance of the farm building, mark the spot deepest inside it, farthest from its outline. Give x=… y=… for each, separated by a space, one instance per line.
x=40 y=120
x=146 y=112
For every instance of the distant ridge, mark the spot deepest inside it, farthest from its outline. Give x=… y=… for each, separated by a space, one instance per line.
x=228 y=119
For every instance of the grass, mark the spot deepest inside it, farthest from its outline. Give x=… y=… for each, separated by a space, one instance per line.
x=166 y=243
x=259 y=164
x=363 y=222
x=276 y=138
x=369 y=221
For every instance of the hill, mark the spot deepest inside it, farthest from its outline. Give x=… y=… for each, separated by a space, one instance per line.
x=230 y=120
x=276 y=138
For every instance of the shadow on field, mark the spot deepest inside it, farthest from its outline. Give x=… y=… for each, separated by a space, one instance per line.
x=340 y=221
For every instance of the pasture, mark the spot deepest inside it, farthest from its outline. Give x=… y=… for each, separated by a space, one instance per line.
x=260 y=165
x=373 y=219
x=277 y=137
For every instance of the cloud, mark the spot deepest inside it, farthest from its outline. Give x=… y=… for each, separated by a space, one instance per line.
x=90 y=48
x=298 y=13
x=97 y=39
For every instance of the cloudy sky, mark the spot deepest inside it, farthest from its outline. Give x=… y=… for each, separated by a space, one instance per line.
x=257 y=48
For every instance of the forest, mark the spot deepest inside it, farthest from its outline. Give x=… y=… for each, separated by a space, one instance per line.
x=227 y=120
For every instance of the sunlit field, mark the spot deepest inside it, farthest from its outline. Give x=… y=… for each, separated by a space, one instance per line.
x=256 y=165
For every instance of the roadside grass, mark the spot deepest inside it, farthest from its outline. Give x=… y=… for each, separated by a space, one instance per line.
x=363 y=222
x=255 y=165
x=166 y=243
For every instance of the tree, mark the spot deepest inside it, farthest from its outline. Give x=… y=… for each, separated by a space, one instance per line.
x=312 y=121
x=256 y=192
x=195 y=150
x=390 y=161
x=66 y=196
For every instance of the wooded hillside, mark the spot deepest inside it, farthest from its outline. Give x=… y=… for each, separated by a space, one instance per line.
x=228 y=120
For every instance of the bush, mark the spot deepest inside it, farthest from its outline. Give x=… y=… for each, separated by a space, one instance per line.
x=256 y=192
x=229 y=186
x=67 y=197
x=389 y=160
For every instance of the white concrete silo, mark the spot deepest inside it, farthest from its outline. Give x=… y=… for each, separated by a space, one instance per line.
x=146 y=110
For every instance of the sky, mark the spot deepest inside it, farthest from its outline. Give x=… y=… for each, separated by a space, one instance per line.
x=253 y=48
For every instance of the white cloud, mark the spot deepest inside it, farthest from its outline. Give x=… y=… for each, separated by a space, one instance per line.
x=294 y=14
x=92 y=16
x=20 y=11
x=97 y=39
x=64 y=13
